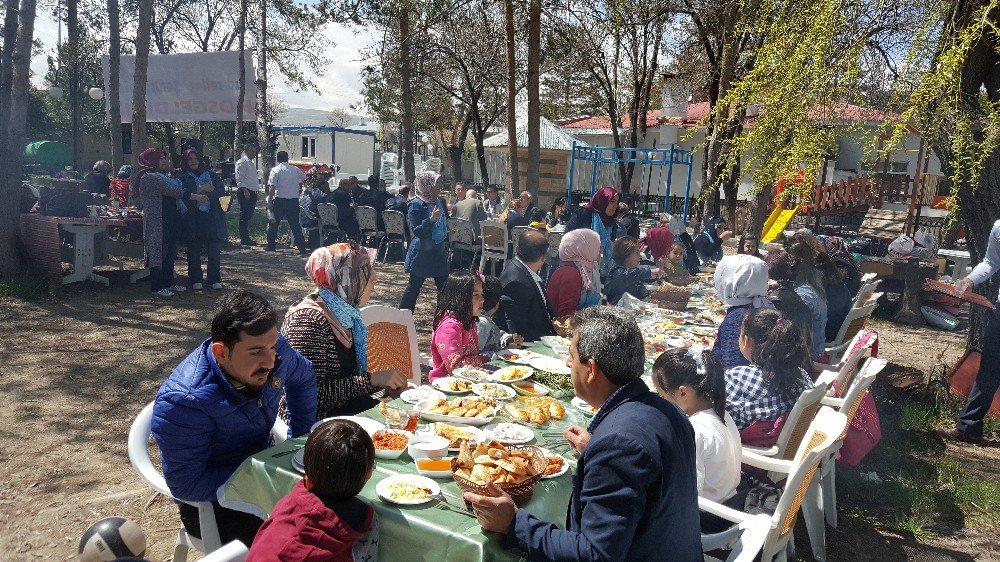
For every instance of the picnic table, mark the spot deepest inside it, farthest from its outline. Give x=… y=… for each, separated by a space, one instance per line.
x=42 y=241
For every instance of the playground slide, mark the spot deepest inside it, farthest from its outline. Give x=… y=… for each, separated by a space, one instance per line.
x=777 y=222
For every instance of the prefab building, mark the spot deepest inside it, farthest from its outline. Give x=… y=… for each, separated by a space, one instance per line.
x=351 y=149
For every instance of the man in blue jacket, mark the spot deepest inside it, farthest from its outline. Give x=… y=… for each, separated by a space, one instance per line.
x=218 y=406
x=634 y=492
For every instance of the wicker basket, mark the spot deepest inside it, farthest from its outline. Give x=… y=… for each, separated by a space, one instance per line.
x=520 y=492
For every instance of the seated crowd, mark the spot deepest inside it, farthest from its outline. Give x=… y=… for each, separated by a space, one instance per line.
x=643 y=461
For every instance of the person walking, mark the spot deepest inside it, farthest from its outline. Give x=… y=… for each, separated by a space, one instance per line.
x=247 y=185
x=427 y=255
x=283 y=201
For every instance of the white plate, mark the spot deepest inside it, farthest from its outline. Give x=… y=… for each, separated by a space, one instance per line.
x=299 y=460
x=565 y=464
x=499 y=374
x=522 y=355
x=424 y=406
x=700 y=331
x=420 y=394
x=549 y=365
x=485 y=389
x=368 y=424
x=579 y=404
x=541 y=388
x=471 y=374
x=442 y=385
x=475 y=434
x=509 y=433
x=382 y=488
x=553 y=341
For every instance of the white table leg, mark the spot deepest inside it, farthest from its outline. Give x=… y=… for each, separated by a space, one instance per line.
x=83 y=253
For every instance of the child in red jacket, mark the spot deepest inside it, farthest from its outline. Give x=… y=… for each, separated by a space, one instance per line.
x=322 y=518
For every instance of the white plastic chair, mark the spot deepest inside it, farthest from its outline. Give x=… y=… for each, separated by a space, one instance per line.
x=855 y=321
x=329 y=223
x=801 y=489
x=392 y=341
x=796 y=425
x=387 y=168
x=368 y=223
x=232 y=552
x=494 y=248
x=743 y=546
x=845 y=372
x=865 y=293
x=868 y=277
x=462 y=238
x=395 y=232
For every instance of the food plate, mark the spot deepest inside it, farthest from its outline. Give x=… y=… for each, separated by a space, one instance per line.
x=471 y=374
x=493 y=391
x=579 y=404
x=299 y=460
x=452 y=385
x=386 y=453
x=434 y=468
x=552 y=341
x=700 y=331
x=549 y=365
x=515 y=355
x=512 y=374
x=368 y=424
x=420 y=394
x=530 y=388
x=453 y=432
x=426 y=405
x=509 y=433
x=565 y=464
x=407 y=489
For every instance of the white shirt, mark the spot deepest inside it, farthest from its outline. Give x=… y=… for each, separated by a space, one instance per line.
x=286 y=179
x=991 y=261
x=246 y=174
x=718 y=455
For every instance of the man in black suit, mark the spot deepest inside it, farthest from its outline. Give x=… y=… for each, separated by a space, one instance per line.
x=524 y=304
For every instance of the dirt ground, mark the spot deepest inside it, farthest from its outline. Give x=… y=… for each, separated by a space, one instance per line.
x=76 y=369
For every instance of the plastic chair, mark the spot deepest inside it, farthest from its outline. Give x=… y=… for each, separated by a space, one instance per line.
x=392 y=341
x=842 y=376
x=744 y=546
x=494 y=245
x=801 y=489
x=232 y=552
x=796 y=424
x=368 y=222
x=461 y=237
x=395 y=233
x=855 y=321
x=868 y=277
x=865 y=292
x=329 y=223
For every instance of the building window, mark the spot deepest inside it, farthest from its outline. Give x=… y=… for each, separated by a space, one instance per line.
x=899 y=168
x=309 y=147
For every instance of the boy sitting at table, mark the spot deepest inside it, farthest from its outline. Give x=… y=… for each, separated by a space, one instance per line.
x=627 y=276
x=322 y=518
x=491 y=338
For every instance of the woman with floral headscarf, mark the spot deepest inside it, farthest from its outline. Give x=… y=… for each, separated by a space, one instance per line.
x=119 y=187
x=741 y=284
x=327 y=329
x=571 y=286
x=158 y=193
x=427 y=255
x=599 y=216
x=842 y=257
x=207 y=219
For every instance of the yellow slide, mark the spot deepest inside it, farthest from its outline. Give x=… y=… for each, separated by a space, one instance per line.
x=777 y=222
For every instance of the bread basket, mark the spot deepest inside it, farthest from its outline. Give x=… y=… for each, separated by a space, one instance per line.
x=520 y=492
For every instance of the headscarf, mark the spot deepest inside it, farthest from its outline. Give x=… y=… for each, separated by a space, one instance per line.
x=741 y=279
x=673 y=223
x=342 y=272
x=149 y=161
x=582 y=248
x=125 y=171
x=201 y=175
x=836 y=247
x=426 y=186
x=659 y=240
x=712 y=226
x=599 y=204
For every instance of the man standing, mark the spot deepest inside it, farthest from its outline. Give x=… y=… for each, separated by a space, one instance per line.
x=283 y=201
x=493 y=205
x=635 y=493
x=247 y=184
x=218 y=407
x=524 y=304
x=471 y=210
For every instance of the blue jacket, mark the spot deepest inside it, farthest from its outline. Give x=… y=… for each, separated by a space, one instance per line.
x=622 y=280
x=424 y=258
x=205 y=428
x=635 y=493
x=210 y=226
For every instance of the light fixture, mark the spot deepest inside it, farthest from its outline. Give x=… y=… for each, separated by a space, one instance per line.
x=55 y=91
x=95 y=93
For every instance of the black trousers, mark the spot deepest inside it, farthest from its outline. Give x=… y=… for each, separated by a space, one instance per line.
x=288 y=210
x=233 y=525
x=162 y=276
x=970 y=421
x=247 y=205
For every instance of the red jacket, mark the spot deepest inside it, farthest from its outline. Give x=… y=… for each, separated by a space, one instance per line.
x=303 y=528
x=565 y=286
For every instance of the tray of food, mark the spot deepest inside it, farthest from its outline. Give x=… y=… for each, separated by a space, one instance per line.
x=473 y=411
x=493 y=391
x=456 y=434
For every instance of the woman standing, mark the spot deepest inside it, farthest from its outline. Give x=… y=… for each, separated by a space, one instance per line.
x=599 y=216
x=741 y=283
x=157 y=190
x=207 y=218
x=571 y=286
x=427 y=255
x=326 y=327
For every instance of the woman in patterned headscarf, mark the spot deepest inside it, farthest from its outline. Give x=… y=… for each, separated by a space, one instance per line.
x=599 y=216
x=427 y=255
x=326 y=328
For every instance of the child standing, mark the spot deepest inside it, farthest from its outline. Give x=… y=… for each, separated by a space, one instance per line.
x=454 y=342
x=322 y=518
x=626 y=276
x=491 y=338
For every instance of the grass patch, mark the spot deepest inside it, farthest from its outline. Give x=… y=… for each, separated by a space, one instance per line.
x=26 y=288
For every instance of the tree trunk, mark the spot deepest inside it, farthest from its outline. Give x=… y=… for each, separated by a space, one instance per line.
x=263 y=112
x=73 y=62
x=114 y=97
x=514 y=184
x=139 y=88
x=238 y=129
x=406 y=93
x=7 y=70
x=759 y=210
x=10 y=182
x=534 y=101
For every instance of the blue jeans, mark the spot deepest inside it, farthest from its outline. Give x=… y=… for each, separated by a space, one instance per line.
x=412 y=291
x=970 y=421
x=213 y=252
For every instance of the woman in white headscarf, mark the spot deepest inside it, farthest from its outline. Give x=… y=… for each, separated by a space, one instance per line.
x=427 y=255
x=741 y=284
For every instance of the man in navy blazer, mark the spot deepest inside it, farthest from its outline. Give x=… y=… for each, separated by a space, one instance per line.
x=634 y=491
x=523 y=303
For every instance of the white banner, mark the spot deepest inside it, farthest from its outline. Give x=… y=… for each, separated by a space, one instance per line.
x=188 y=86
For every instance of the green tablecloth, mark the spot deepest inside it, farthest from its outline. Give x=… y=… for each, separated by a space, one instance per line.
x=409 y=533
